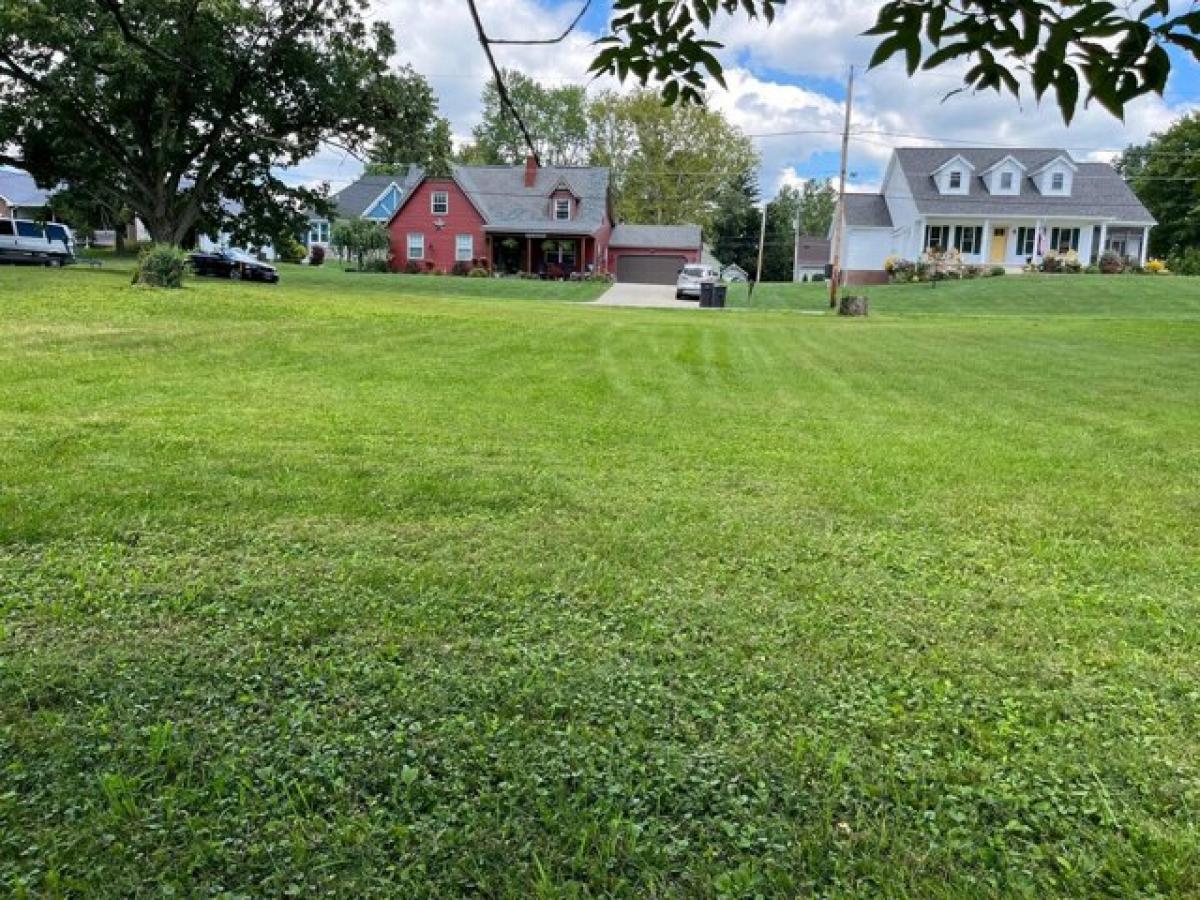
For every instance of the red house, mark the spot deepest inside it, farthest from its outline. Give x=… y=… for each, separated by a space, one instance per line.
x=550 y=221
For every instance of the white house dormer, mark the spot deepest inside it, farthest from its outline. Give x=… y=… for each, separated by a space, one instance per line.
x=953 y=177
x=1055 y=178
x=1003 y=177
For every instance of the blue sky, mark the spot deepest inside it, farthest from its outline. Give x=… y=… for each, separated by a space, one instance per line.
x=788 y=77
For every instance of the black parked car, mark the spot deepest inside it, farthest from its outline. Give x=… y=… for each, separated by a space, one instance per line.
x=235 y=264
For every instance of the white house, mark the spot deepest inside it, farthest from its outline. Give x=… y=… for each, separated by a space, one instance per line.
x=996 y=206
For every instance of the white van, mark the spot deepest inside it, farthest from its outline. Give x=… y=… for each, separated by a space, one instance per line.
x=23 y=240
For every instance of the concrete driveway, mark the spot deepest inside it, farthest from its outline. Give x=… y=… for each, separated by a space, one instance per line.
x=651 y=296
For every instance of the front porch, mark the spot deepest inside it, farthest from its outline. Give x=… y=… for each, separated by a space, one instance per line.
x=1015 y=242
x=550 y=256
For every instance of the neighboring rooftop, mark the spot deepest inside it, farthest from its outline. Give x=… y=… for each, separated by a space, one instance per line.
x=506 y=203
x=1098 y=191
x=19 y=189
x=355 y=199
x=656 y=237
x=867 y=211
x=812 y=251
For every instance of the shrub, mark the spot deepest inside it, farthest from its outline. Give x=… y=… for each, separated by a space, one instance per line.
x=412 y=267
x=478 y=272
x=818 y=278
x=1093 y=269
x=376 y=264
x=289 y=250
x=316 y=255
x=1052 y=264
x=1111 y=263
x=161 y=265
x=1156 y=266
x=900 y=270
x=997 y=271
x=1185 y=262
x=972 y=271
x=606 y=277
x=462 y=269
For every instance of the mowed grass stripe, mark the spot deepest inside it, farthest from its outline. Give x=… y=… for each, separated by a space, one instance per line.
x=367 y=586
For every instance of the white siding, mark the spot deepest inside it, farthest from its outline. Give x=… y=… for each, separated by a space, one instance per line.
x=898 y=197
x=867 y=248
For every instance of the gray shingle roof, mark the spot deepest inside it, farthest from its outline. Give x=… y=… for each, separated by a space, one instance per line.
x=656 y=237
x=355 y=199
x=501 y=196
x=1098 y=191
x=867 y=211
x=19 y=189
x=813 y=251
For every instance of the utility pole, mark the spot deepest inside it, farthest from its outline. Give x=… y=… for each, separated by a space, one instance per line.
x=796 y=250
x=839 y=226
x=762 y=239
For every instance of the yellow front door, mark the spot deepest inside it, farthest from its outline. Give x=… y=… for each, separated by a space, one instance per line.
x=999 y=248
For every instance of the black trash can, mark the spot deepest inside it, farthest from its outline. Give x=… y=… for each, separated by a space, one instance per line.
x=706 y=294
x=718 y=295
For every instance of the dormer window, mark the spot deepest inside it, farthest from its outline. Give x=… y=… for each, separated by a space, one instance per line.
x=1006 y=181
x=956 y=181
x=1057 y=180
x=562 y=209
x=439 y=203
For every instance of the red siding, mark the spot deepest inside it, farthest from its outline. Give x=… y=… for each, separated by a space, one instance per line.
x=416 y=217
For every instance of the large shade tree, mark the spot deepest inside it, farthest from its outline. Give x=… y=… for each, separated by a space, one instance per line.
x=670 y=164
x=1165 y=174
x=415 y=134
x=556 y=118
x=182 y=110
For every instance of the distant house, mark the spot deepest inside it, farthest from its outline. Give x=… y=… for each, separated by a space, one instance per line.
x=811 y=257
x=375 y=197
x=994 y=206
x=21 y=198
x=546 y=220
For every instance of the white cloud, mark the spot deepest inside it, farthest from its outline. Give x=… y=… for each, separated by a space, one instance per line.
x=787 y=77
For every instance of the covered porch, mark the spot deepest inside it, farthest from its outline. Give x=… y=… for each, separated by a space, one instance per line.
x=1014 y=242
x=544 y=255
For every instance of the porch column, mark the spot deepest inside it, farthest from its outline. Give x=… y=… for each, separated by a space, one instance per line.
x=1039 y=249
x=1145 y=244
x=1103 y=240
x=985 y=250
x=529 y=255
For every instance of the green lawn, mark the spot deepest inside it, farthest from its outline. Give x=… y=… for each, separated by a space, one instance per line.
x=375 y=586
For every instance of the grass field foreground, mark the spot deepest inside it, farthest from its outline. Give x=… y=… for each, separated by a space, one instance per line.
x=370 y=586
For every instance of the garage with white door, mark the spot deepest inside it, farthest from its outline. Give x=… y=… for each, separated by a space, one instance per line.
x=652 y=254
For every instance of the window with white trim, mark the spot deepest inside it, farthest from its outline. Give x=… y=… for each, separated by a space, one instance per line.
x=562 y=209
x=439 y=203
x=1064 y=240
x=464 y=248
x=955 y=180
x=1006 y=181
x=968 y=238
x=937 y=237
x=318 y=232
x=416 y=246
x=1057 y=181
x=1026 y=241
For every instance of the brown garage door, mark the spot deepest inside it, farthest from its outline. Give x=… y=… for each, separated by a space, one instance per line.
x=649 y=269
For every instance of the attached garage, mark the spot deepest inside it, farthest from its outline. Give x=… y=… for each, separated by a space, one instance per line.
x=652 y=254
x=643 y=269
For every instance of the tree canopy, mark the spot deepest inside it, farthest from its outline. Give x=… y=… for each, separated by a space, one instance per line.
x=1165 y=174
x=668 y=163
x=416 y=134
x=182 y=110
x=1083 y=50
x=555 y=116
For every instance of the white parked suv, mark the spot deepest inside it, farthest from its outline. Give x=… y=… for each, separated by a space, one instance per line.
x=690 y=279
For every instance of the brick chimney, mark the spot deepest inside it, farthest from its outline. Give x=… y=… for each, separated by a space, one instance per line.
x=531 y=168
